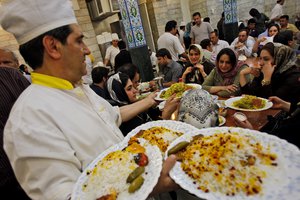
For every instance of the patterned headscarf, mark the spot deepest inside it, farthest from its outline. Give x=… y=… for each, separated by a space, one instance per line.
x=284 y=58
x=229 y=76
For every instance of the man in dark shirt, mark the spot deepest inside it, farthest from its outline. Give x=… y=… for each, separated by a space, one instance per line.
x=100 y=76
x=171 y=70
x=12 y=84
x=123 y=57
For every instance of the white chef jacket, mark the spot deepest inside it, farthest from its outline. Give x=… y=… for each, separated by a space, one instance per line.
x=54 y=131
x=111 y=53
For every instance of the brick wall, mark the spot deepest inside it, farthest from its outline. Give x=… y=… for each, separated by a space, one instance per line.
x=85 y=23
x=162 y=11
x=8 y=41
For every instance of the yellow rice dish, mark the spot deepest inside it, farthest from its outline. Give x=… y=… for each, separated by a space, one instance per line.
x=229 y=163
x=250 y=102
x=178 y=88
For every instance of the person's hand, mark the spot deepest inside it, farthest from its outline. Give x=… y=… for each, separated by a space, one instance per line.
x=150 y=99
x=187 y=71
x=165 y=183
x=239 y=45
x=243 y=124
x=200 y=67
x=268 y=69
x=262 y=39
x=280 y=104
x=151 y=83
x=231 y=88
x=170 y=107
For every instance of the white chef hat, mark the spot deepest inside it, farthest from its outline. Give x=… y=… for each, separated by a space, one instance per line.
x=114 y=36
x=28 y=19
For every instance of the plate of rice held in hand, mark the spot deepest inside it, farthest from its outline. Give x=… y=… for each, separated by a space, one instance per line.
x=248 y=103
x=176 y=88
x=161 y=133
x=126 y=171
x=236 y=163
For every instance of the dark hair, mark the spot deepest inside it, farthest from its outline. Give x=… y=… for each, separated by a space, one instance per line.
x=244 y=29
x=163 y=52
x=216 y=32
x=269 y=47
x=285 y=17
x=206 y=19
x=254 y=12
x=197 y=13
x=119 y=88
x=251 y=21
x=124 y=79
x=205 y=43
x=284 y=37
x=129 y=69
x=170 y=25
x=98 y=73
x=121 y=45
x=273 y=24
x=195 y=48
x=33 y=51
x=230 y=53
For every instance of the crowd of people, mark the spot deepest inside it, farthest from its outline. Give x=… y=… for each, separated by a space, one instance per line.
x=66 y=111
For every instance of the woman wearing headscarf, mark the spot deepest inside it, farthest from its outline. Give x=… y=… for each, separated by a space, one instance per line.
x=122 y=92
x=223 y=80
x=272 y=30
x=198 y=68
x=278 y=74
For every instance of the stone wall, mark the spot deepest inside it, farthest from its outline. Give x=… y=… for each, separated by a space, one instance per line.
x=160 y=12
x=165 y=10
x=85 y=23
x=8 y=41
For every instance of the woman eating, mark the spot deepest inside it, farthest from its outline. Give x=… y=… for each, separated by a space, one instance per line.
x=223 y=80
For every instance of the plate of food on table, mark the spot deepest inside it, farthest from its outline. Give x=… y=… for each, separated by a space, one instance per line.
x=176 y=88
x=236 y=163
x=248 y=103
x=128 y=170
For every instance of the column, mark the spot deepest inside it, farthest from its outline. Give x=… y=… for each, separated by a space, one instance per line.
x=135 y=37
x=185 y=10
x=230 y=23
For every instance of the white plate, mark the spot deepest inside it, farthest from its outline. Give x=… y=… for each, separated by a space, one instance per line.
x=158 y=98
x=151 y=175
x=222 y=119
x=229 y=103
x=169 y=124
x=242 y=58
x=161 y=105
x=281 y=185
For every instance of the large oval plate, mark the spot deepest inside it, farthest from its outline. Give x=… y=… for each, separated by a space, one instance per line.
x=176 y=126
x=282 y=185
x=151 y=175
x=158 y=98
x=229 y=103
